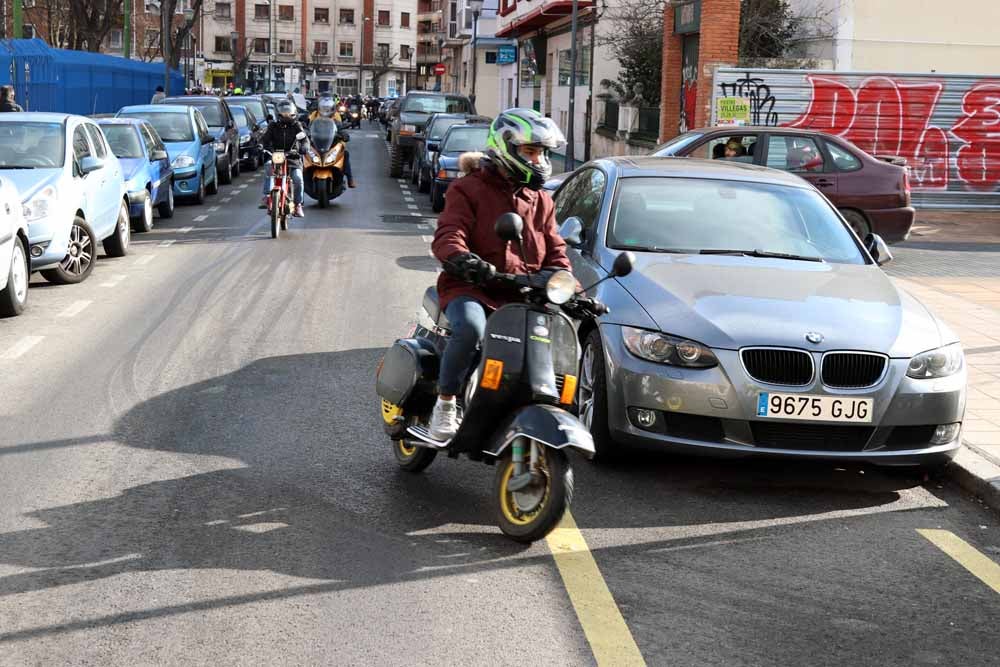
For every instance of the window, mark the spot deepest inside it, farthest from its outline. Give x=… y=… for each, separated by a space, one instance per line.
x=582 y=67
x=404 y=20
x=321 y=15
x=81 y=148
x=383 y=51
x=404 y=52
x=842 y=159
x=581 y=198
x=115 y=39
x=285 y=46
x=151 y=138
x=383 y=17
x=199 y=120
x=347 y=49
x=491 y=57
x=286 y=12
x=29 y=31
x=223 y=10
x=321 y=48
x=262 y=12
x=223 y=44
x=741 y=148
x=793 y=153
x=151 y=39
x=125 y=141
x=261 y=45
x=97 y=141
x=347 y=16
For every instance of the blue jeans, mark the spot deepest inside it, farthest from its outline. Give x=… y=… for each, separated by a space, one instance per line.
x=468 y=324
x=347 y=166
x=297 y=182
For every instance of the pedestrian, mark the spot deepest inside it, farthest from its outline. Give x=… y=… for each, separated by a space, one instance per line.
x=158 y=95
x=7 y=102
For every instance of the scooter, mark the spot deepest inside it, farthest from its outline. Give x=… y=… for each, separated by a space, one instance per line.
x=323 y=163
x=517 y=401
x=353 y=117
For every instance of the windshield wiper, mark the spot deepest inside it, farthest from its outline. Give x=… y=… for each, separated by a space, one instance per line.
x=650 y=248
x=760 y=253
x=14 y=166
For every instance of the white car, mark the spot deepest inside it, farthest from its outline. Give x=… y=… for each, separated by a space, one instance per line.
x=13 y=252
x=72 y=191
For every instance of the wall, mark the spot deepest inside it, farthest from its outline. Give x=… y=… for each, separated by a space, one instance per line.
x=947 y=127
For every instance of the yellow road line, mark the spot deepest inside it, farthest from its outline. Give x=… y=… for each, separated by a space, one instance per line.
x=981 y=566
x=605 y=629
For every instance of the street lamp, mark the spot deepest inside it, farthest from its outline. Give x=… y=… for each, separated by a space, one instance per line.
x=476 y=6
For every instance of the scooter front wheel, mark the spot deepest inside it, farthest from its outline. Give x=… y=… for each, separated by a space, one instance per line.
x=412 y=458
x=275 y=216
x=531 y=513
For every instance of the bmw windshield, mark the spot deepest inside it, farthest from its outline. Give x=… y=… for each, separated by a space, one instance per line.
x=172 y=127
x=30 y=145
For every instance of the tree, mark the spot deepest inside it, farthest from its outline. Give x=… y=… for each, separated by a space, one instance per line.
x=634 y=35
x=767 y=28
x=180 y=29
x=241 y=60
x=381 y=65
x=93 y=20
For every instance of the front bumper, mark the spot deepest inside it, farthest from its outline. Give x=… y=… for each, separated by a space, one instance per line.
x=892 y=224
x=186 y=182
x=48 y=240
x=713 y=411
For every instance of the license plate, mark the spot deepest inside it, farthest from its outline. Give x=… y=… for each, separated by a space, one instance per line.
x=814 y=408
x=246 y=155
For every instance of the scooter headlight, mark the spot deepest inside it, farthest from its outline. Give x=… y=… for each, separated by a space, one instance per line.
x=334 y=154
x=561 y=287
x=277 y=157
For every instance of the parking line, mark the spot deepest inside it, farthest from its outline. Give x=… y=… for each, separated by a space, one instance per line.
x=213 y=209
x=982 y=567
x=167 y=243
x=75 y=308
x=143 y=261
x=610 y=639
x=201 y=218
x=184 y=230
x=412 y=207
x=226 y=200
x=21 y=346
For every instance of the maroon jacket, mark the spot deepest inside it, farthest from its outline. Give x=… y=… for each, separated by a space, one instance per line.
x=473 y=204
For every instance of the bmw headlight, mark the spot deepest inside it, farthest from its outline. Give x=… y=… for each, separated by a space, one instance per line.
x=40 y=205
x=182 y=161
x=219 y=147
x=244 y=139
x=561 y=287
x=664 y=349
x=939 y=363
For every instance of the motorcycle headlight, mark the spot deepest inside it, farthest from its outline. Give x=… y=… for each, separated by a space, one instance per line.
x=277 y=158
x=665 y=349
x=332 y=156
x=182 y=161
x=219 y=147
x=313 y=155
x=939 y=363
x=561 y=287
x=40 y=205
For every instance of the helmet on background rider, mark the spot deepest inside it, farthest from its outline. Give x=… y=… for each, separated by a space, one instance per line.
x=286 y=110
x=515 y=128
x=325 y=107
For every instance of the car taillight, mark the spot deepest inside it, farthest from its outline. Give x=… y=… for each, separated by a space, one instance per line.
x=906 y=183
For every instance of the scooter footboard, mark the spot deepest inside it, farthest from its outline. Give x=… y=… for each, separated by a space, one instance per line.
x=551 y=426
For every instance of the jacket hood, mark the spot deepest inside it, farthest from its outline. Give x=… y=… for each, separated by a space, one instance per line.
x=469 y=162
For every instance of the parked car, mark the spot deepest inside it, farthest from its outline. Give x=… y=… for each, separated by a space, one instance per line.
x=415 y=109
x=189 y=145
x=145 y=166
x=427 y=143
x=222 y=126
x=754 y=322
x=72 y=191
x=457 y=140
x=251 y=152
x=14 y=270
x=872 y=194
x=256 y=105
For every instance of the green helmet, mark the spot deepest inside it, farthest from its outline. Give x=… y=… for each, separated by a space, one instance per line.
x=523 y=127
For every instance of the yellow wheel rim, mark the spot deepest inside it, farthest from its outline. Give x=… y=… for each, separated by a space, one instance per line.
x=405 y=449
x=390 y=412
x=508 y=504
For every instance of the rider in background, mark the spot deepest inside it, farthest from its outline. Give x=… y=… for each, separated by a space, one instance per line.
x=326 y=108
x=281 y=135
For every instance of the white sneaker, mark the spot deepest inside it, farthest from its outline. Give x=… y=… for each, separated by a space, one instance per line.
x=444 y=420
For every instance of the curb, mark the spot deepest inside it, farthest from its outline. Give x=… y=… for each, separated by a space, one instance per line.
x=977 y=475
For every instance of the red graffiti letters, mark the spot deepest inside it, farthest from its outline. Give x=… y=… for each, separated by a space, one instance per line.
x=978 y=161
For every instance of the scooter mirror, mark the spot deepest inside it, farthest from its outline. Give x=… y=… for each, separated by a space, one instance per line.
x=509 y=227
x=623 y=264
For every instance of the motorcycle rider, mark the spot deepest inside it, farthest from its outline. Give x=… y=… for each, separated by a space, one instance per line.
x=509 y=179
x=326 y=108
x=281 y=135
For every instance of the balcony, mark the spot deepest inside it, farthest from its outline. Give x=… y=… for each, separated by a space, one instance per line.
x=347 y=60
x=427 y=11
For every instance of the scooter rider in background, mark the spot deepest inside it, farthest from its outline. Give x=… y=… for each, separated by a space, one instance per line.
x=327 y=108
x=510 y=179
x=281 y=135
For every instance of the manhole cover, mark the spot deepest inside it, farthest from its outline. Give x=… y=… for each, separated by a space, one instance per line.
x=411 y=219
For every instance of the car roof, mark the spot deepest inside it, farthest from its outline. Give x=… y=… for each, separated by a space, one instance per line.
x=685 y=167
x=167 y=108
x=181 y=99
x=740 y=129
x=121 y=121
x=43 y=116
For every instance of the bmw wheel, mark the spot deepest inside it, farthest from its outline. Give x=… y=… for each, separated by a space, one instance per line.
x=592 y=397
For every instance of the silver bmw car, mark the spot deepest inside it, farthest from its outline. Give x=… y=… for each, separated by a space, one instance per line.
x=755 y=321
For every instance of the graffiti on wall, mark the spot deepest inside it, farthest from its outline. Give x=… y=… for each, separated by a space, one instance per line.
x=947 y=128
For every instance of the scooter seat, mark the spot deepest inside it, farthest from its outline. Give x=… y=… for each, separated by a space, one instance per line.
x=433 y=308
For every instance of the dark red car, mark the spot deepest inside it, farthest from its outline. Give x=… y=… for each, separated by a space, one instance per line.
x=872 y=194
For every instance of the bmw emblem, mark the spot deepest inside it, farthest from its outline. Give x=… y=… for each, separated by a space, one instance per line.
x=814 y=337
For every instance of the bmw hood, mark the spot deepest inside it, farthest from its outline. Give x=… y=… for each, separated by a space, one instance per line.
x=730 y=302
x=30 y=181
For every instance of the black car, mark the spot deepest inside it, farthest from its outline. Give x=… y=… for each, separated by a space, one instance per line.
x=222 y=126
x=427 y=143
x=414 y=111
x=255 y=103
x=251 y=152
x=459 y=139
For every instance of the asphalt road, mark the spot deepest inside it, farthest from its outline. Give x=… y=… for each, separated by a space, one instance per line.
x=192 y=471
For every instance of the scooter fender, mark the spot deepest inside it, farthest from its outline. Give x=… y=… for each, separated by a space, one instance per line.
x=549 y=425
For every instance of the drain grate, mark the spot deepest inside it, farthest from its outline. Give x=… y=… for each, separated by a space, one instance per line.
x=411 y=219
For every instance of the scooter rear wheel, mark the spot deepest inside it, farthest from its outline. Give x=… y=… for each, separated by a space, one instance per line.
x=531 y=514
x=412 y=458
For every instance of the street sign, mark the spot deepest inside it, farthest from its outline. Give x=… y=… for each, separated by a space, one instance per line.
x=506 y=54
x=440 y=69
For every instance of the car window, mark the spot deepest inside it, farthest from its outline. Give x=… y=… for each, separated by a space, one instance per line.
x=152 y=138
x=842 y=159
x=441 y=126
x=581 y=197
x=689 y=215
x=255 y=106
x=463 y=139
x=677 y=144
x=96 y=140
x=732 y=148
x=123 y=140
x=171 y=127
x=239 y=114
x=436 y=104
x=794 y=153
x=202 y=125
x=81 y=147
x=211 y=110
x=32 y=144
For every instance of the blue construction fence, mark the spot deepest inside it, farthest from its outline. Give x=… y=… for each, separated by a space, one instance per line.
x=79 y=82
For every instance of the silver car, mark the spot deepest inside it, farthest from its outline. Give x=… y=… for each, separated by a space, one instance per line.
x=754 y=323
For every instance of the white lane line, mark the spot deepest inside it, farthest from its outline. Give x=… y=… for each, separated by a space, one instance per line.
x=412 y=207
x=402 y=180
x=184 y=230
x=75 y=308
x=226 y=200
x=167 y=243
x=143 y=261
x=21 y=346
x=415 y=214
x=423 y=226
x=114 y=279
x=213 y=209
x=201 y=218
x=427 y=239
x=409 y=200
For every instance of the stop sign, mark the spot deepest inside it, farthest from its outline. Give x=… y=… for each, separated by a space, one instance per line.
x=439 y=69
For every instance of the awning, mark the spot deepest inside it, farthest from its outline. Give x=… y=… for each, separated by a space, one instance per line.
x=552 y=11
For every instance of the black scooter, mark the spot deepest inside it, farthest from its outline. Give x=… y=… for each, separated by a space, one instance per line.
x=517 y=401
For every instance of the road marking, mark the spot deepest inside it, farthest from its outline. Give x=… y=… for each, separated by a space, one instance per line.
x=602 y=622
x=226 y=200
x=213 y=209
x=201 y=218
x=418 y=215
x=21 y=346
x=184 y=230
x=412 y=207
x=143 y=261
x=408 y=198
x=423 y=226
x=965 y=555
x=427 y=239
x=167 y=243
x=115 y=279
x=75 y=308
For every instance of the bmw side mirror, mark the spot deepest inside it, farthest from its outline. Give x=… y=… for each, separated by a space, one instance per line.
x=509 y=227
x=90 y=164
x=434 y=146
x=572 y=231
x=878 y=249
x=623 y=264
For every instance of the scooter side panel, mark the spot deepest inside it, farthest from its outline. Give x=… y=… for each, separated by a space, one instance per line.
x=548 y=425
x=410 y=365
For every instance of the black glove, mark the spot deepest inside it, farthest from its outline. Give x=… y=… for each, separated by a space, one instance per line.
x=470 y=267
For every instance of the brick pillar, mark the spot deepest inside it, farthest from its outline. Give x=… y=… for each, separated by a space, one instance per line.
x=368 y=57
x=670 y=78
x=719 y=45
x=241 y=27
x=306 y=20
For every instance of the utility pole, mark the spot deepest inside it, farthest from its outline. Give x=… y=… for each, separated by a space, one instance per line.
x=476 y=6
x=127 y=29
x=570 y=155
